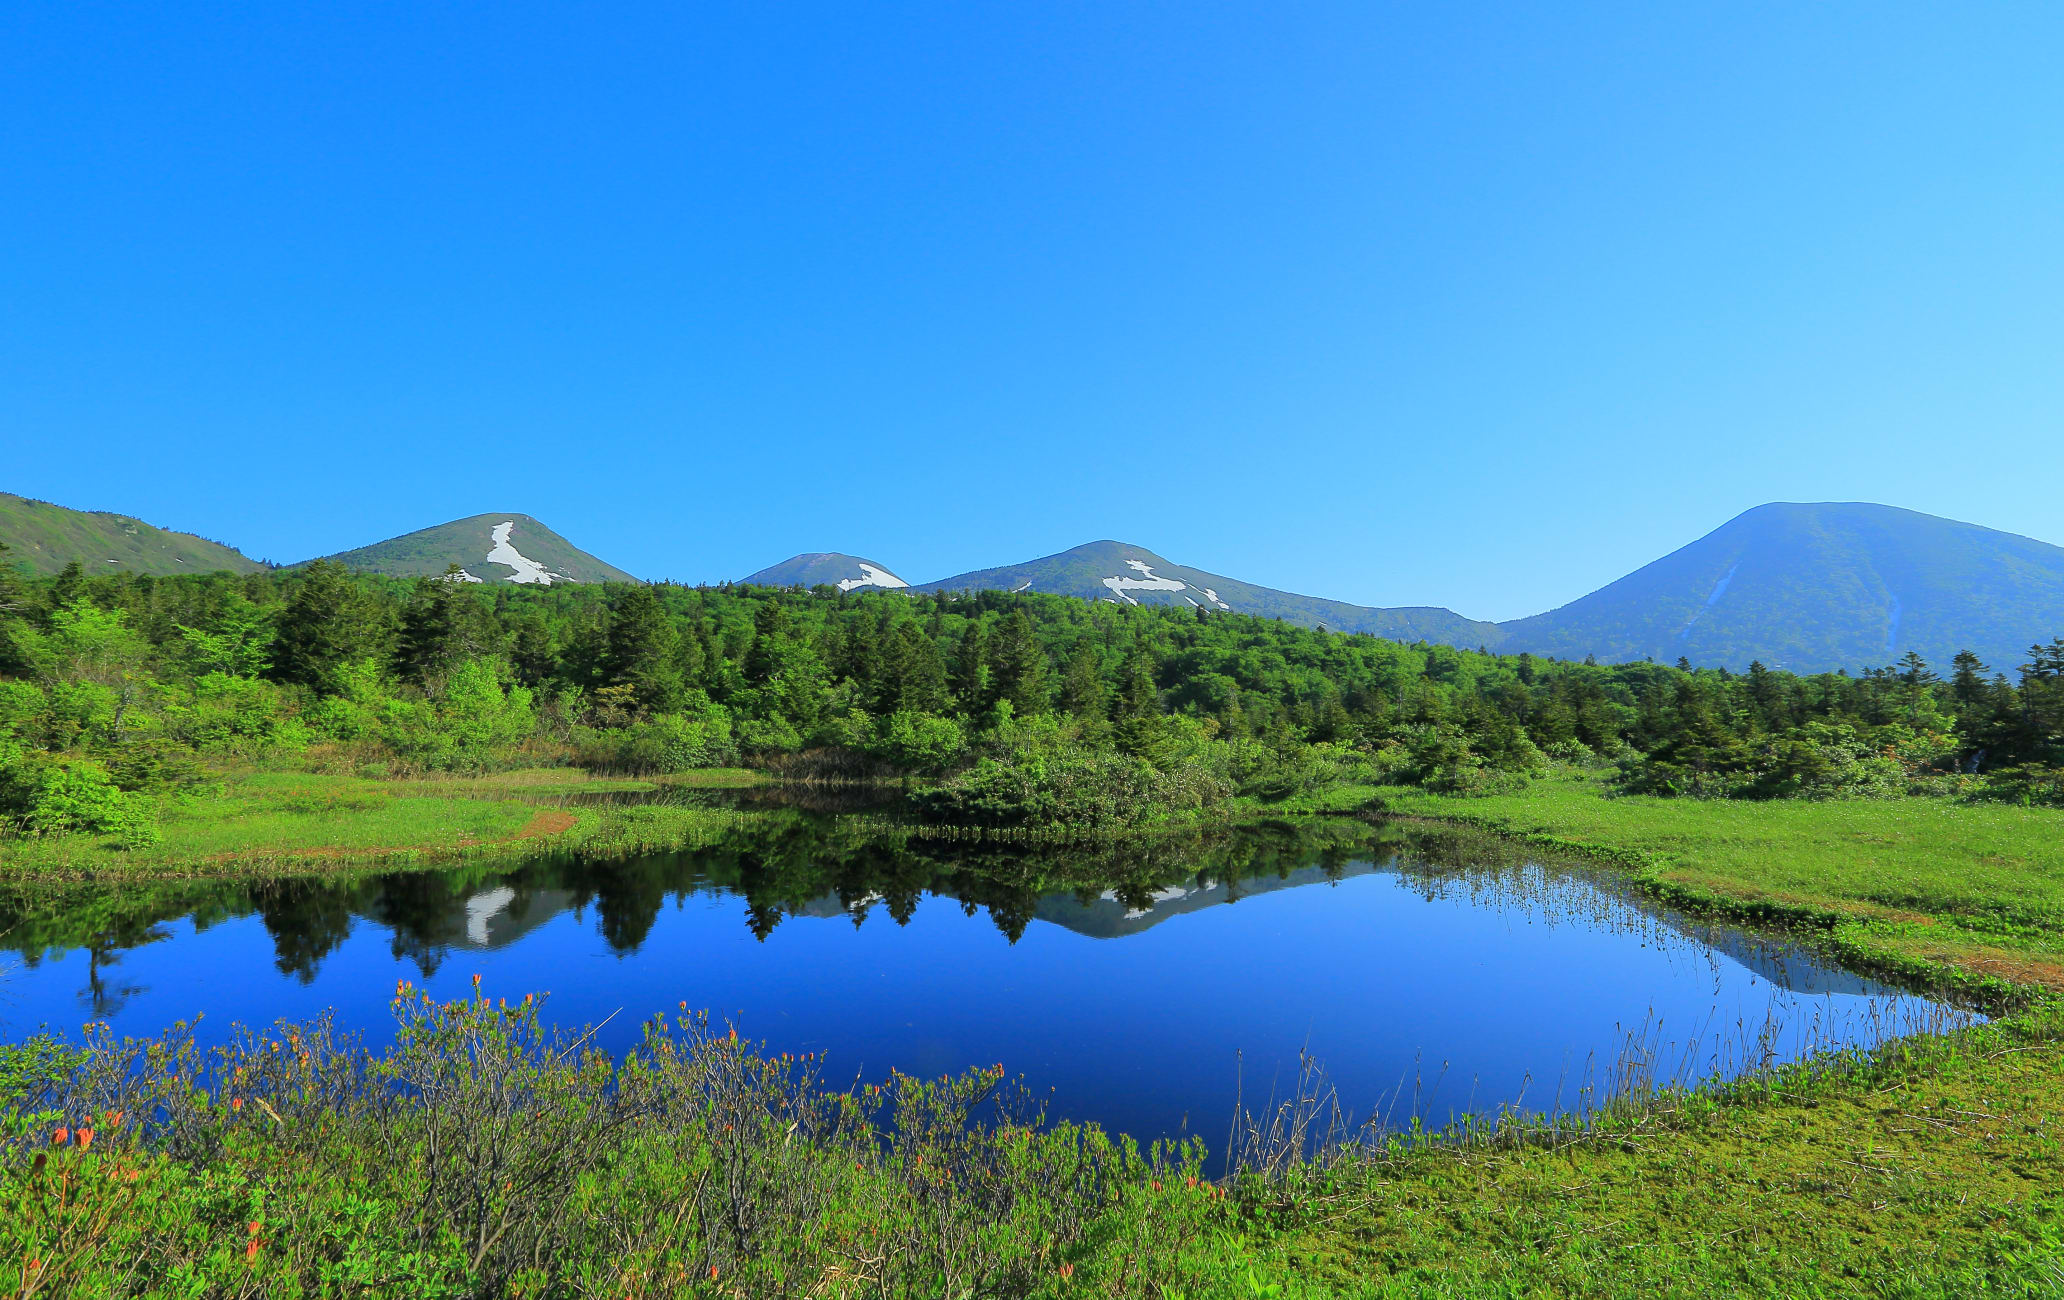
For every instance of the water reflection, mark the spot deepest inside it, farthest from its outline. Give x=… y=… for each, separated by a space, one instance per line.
x=1141 y=980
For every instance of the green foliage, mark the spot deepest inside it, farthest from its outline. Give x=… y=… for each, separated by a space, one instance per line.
x=40 y=797
x=472 y=721
x=1154 y=700
x=919 y=742
x=672 y=742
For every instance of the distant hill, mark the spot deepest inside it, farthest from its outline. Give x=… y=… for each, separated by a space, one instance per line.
x=1812 y=588
x=846 y=572
x=490 y=548
x=1133 y=575
x=44 y=538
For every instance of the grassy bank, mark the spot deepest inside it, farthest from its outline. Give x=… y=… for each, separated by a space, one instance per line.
x=1973 y=888
x=297 y=822
x=480 y=1156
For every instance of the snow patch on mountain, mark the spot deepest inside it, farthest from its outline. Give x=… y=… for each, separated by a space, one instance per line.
x=1719 y=590
x=504 y=552
x=1147 y=581
x=871 y=576
x=1212 y=596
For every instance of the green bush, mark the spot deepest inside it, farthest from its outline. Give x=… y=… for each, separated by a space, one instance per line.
x=40 y=797
x=918 y=742
x=674 y=742
x=466 y=724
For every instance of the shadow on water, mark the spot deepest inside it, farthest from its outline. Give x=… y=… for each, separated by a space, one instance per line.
x=1152 y=982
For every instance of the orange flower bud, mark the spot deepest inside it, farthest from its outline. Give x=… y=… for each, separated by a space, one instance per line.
x=62 y=1136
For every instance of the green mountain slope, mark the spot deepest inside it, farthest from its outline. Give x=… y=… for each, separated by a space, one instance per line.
x=846 y=572
x=44 y=538
x=490 y=548
x=1127 y=574
x=1813 y=588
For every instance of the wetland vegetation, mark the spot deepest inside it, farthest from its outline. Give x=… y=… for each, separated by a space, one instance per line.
x=294 y=747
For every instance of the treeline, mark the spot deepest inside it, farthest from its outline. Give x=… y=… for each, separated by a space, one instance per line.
x=1026 y=707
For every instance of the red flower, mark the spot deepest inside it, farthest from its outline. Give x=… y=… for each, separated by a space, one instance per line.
x=85 y=1138
x=59 y=1138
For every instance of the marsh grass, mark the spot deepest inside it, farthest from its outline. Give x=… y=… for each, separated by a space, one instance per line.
x=484 y=1154
x=1931 y=887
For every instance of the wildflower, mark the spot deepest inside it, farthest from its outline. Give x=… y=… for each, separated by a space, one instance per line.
x=114 y=1119
x=236 y=1103
x=252 y=1229
x=85 y=1138
x=1067 y=1271
x=684 y=1004
x=251 y=1250
x=62 y=1136
x=1157 y=1184
x=713 y=1272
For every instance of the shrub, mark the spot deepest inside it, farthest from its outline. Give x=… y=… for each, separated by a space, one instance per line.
x=674 y=742
x=40 y=797
x=470 y=720
x=918 y=742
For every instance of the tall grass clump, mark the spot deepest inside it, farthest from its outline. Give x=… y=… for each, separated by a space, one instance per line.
x=484 y=1153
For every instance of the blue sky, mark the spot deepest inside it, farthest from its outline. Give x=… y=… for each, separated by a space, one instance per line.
x=1439 y=304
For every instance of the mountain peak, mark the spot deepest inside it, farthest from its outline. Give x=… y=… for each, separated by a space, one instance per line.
x=833 y=568
x=504 y=547
x=1815 y=586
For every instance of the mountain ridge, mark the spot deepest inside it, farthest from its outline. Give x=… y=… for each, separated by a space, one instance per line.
x=1126 y=573
x=46 y=537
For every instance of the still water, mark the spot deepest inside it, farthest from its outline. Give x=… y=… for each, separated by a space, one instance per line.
x=1151 y=989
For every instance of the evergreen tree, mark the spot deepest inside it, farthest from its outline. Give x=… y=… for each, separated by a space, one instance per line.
x=439 y=629
x=644 y=652
x=769 y=643
x=1082 y=685
x=326 y=625
x=971 y=670
x=1018 y=667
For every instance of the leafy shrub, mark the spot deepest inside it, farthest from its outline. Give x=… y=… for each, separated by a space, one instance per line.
x=235 y=715
x=768 y=736
x=466 y=725
x=673 y=742
x=918 y=742
x=42 y=797
x=1071 y=787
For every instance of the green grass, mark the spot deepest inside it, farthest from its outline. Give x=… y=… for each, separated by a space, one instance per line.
x=1932 y=1172
x=289 y=822
x=1976 y=887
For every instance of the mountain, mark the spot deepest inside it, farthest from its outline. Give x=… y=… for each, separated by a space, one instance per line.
x=1122 y=573
x=490 y=548
x=1812 y=588
x=846 y=572
x=45 y=538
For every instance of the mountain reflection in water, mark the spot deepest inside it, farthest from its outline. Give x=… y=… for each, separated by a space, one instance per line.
x=1141 y=980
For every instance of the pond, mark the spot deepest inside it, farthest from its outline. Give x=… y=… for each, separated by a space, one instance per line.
x=1153 y=987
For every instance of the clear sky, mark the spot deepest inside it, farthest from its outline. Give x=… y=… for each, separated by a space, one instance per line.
x=1437 y=304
